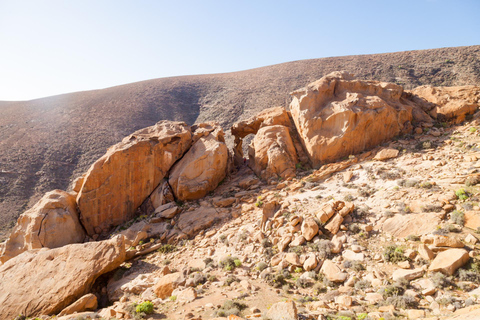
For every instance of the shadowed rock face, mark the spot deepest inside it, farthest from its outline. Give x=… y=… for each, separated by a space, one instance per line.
x=51 y=279
x=118 y=183
x=337 y=115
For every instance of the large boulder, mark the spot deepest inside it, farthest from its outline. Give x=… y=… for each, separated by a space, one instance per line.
x=452 y=103
x=119 y=182
x=272 y=153
x=51 y=223
x=45 y=281
x=337 y=115
x=202 y=168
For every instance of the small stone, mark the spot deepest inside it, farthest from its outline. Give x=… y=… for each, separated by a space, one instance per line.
x=386 y=154
x=293 y=259
x=332 y=272
x=425 y=252
x=408 y=275
x=344 y=301
x=415 y=313
x=471 y=239
x=283 y=311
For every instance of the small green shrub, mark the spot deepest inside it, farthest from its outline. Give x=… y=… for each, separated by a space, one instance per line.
x=440 y=280
x=229 y=263
x=461 y=194
x=173 y=298
x=237 y=262
x=262 y=266
x=166 y=248
x=145 y=307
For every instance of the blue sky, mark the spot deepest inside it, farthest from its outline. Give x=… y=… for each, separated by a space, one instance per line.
x=51 y=47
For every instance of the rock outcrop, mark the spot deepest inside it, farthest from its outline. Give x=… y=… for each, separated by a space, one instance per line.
x=118 y=183
x=45 y=281
x=202 y=168
x=452 y=103
x=51 y=223
x=338 y=116
x=272 y=153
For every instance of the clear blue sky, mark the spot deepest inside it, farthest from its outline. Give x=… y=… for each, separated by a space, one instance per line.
x=50 y=47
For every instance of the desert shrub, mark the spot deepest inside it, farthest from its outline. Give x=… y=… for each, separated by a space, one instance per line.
x=402 y=302
x=362 y=284
x=319 y=288
x=166 y=248
x=440 y=280
x=266 y=243
x=403 y=208
x=458 y=217
x=229 y=263
x=425 y=145
x=230 y=279
x=324 y=249
x=303 y=283
x=388 y=214
x=394 y=254
x=410 y=183
x=349 y=198
x=297 y=249
x=432 y=208
x=413 y=237
x=426 y=185
x=394 y=290
x=441 y=231
x=472 y=180
x=366 y=192
x=276 y=280
x=230 y=307
x=354 y=265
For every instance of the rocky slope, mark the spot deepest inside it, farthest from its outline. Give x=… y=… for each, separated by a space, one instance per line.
x=46 y=143
x=389 y=232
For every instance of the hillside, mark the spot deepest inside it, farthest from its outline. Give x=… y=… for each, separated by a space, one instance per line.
x=44 y=143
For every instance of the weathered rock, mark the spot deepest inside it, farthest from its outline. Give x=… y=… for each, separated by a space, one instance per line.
x=310 y=263
x=165 y=286
x=293 y=259
x=309 y=228
x=332 y=272
x=52 y=279
x=118 y=183
x=168 y=210
x=334 y=224
x=272 y=153
x=87 y=302
x=425 y=252
x=417 y=224
x=415 y=313
x=338 y=116
x=472 y=219
x=453 y=103
x=193 y=221
x=225 y=202
x=386 y=154
x=402 y=274
x=187 y=295
x=51 y=223
x=350 y=255
x=268 y=117
x=131 y=284
x=201 y=169
x=283 y=311
x=449 y=261
x=442 y=241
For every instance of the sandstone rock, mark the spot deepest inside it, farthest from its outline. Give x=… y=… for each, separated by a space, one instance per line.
x=415 y=313
x=298 y=241
x=201 y=169
x=373 y=297
x=408 y=275
x=310 y=263
x=309 y=228
x=193 y=221
x=118 y=183
x=272 y=153
x=350 y=255
x=401 y=226
x=471 y=239
x=268 y=117
x=425 y=252
x=442 y=241
x=293 y=259
x=131 y=284
x=51 y=223
x=334 y=224
x=453 y=103
x=283 y=311
x=225 y=202
x=347 y=208
x=344 y=301
x=52 y=279
x=472 y=219
x=87 y=302
x=332 y=272
x=386 y=154
x=347 y=176
x=326 y=211
x=283 y=244
x=449 y=261
x=168 y=210
x=338 y=116
x=187 y=295
x=165 y=286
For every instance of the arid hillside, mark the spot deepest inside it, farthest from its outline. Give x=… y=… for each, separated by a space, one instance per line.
x=45 y=143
